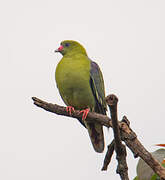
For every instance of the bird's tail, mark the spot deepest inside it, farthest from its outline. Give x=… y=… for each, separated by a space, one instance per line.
x=95 y=131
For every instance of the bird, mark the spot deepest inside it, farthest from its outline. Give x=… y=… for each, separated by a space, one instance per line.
x=81 y=86
x=144 y=171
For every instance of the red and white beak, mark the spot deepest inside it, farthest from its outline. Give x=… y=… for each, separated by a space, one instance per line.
x=59 y=49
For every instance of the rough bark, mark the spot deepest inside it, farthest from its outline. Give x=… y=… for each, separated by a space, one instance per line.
x=126 y=134
x=122 y=168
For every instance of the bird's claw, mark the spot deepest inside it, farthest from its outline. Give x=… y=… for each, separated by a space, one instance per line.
x=85 y=113
x=70 y=109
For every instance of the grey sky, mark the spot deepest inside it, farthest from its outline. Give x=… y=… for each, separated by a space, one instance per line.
x=127 y=40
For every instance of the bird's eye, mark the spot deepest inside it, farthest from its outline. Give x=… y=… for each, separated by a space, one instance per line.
x=67 y=44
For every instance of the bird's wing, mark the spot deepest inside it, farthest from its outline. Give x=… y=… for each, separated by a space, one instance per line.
x=97 y=86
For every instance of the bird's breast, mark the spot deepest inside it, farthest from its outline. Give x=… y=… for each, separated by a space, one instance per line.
x=72 y=80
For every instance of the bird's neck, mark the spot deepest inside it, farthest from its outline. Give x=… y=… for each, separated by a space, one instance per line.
x=75 y=53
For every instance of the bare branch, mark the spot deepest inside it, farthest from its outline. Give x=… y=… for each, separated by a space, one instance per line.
x=60 y=110
x=108 y=155
x=127 y=135
x=122 y=168
x=130 y=138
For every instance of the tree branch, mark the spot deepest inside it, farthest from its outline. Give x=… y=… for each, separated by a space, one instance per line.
x=108 y=155
x=120 y=149
x=127 y=135
x=130 y=138
x=60 y=110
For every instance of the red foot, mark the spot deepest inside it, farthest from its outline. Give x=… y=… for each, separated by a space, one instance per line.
x=69 y=109
x=85 y=113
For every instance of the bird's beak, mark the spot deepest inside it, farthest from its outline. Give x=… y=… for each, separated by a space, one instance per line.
x=59 y=49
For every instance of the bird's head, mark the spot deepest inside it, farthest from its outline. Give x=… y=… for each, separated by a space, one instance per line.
x=69 y=47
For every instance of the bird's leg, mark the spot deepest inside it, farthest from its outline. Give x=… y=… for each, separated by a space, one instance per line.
x=85 y=113
x=69 y=109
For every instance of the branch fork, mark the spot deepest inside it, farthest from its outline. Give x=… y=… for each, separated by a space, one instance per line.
x=122 y=132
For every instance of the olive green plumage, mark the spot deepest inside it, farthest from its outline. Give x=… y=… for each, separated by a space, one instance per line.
x=81 y=85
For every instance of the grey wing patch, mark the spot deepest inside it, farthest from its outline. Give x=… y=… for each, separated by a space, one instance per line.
x=97 y=86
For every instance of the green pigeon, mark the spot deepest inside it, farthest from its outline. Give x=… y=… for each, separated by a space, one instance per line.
x=81 y=86
x=144 y=172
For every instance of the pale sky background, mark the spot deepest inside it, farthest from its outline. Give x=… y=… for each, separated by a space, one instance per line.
x=127 y=40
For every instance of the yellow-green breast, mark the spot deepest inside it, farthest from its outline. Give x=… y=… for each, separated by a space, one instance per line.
x=73 y=81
